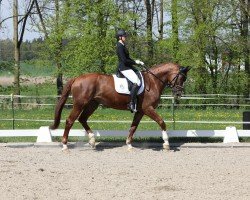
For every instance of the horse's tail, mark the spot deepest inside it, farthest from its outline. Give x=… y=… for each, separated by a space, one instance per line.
x=61 y=103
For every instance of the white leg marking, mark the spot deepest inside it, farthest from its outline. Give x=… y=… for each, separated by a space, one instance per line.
x=92 y=140
x=128 y=142
x=165 y=138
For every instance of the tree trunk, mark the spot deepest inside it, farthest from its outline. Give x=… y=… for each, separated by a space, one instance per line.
x=161 y=20
x=175 y=29
x=59 y=80
x=16 y=51
x=149 y=23
x=41 y=20
x=214 y=75
x=17 y=43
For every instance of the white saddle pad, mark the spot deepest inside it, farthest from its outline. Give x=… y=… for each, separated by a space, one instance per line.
x=121 y=85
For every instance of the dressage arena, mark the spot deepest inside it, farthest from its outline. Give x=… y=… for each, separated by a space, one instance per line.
x=31 y=172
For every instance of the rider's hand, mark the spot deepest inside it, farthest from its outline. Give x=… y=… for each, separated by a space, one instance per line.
x=138 y=62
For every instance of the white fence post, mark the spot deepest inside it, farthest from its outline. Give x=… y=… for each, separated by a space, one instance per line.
x=231 y=135
x=44 y=134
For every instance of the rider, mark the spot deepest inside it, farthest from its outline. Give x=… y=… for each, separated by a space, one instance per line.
x=125 y=66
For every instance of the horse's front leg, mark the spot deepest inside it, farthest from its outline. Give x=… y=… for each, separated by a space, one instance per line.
x=154 y=116
x=137 y=118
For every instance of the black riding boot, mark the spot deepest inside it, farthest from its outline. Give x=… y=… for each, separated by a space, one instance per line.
x=133 y=99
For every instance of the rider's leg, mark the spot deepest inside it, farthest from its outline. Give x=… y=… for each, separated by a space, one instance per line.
x=133 y=100
x=131 y=75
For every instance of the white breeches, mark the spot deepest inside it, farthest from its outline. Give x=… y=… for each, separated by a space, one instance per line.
x=131 y=75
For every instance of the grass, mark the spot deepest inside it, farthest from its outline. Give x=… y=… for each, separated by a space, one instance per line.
x=37 y=69
x=31 y=90
x=32 y=69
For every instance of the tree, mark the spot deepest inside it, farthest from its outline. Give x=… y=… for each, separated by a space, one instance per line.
x=244 y=30
x=199 y=16
x=54 y=25
x=91 y=38
x=19 y=26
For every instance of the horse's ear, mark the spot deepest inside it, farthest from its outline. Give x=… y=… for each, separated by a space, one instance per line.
x=185 y=69
x=188 y=68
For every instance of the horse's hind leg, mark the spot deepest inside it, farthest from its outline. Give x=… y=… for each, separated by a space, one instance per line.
x=77 y=109
x=86 y=113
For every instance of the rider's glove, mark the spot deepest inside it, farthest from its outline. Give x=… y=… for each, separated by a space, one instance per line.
x=138 y=62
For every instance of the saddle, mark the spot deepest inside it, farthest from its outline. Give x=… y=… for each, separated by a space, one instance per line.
x=123 y=85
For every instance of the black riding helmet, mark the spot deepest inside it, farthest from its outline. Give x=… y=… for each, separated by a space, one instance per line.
x=121 y=33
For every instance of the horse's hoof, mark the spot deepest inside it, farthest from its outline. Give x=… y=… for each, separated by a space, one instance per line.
x=92 y=145
x=65 y=148
x=166 y=147
x=130 y=147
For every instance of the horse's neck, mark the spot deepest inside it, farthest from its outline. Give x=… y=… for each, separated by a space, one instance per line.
x=160 y=72
x=156 y=79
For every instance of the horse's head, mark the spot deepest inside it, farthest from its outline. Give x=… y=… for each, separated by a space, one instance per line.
x=177 y=79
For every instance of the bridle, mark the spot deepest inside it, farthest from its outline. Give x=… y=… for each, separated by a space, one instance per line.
x=172 y=83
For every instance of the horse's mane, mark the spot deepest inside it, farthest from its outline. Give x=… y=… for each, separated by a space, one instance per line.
x=159 y=67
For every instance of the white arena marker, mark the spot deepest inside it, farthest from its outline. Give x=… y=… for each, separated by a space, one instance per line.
x=231 y=135
x=44 y=134
x=98 y=134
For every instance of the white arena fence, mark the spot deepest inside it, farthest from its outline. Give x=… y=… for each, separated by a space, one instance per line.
x=44 y=134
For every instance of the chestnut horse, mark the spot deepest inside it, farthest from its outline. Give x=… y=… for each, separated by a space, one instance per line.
x=90 y=90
